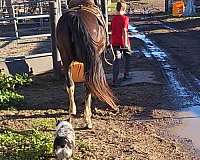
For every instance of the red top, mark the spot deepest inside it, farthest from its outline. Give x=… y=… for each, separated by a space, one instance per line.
x=119 y=22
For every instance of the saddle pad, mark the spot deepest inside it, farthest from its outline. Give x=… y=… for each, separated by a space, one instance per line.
x=77 y=70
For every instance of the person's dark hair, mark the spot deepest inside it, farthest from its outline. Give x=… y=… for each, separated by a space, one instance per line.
x=120 y=5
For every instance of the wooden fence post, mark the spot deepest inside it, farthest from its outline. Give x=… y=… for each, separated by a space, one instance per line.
x=166 y=6
x=55 y=53
x=104 y=8
x=106 y=14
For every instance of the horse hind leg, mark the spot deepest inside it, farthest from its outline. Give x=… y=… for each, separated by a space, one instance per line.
x=64 y=44
x=87 y=110
x=70 y=87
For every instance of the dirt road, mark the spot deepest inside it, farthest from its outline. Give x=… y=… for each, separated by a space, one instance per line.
x=178 y=37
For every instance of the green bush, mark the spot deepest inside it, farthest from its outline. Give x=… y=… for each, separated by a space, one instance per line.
x=11 y=82
x=8 y=97
x=8 y=85
x=32 y=145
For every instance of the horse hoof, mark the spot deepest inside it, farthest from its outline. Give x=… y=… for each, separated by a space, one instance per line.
x=73 y=113
x=89 y=126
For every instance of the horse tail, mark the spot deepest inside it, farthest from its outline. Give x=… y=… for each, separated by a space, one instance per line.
x=96 y=80
x=94 y=72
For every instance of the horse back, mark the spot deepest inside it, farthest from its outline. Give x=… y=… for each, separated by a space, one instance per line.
x=89 y=14
x=95 y=29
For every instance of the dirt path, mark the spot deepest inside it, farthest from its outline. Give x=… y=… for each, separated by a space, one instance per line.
x=180 y=41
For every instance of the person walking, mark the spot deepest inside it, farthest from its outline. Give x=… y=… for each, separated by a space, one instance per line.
x=120 y=42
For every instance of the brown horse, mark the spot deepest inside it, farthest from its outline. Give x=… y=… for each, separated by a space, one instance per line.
x=81 y=36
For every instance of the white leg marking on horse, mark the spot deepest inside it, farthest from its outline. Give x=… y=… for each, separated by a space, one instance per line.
x=87 y=111
x=72 y=105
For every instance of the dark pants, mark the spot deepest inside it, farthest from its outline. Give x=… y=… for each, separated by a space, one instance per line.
x=122 y=60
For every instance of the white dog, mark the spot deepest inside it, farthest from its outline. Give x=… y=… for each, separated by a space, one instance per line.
x=64 y=142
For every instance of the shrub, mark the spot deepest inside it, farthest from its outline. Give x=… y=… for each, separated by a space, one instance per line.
x=31 y=144
x=8 y=85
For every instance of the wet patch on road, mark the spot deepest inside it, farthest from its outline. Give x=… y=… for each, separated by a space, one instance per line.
x=182 y=95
